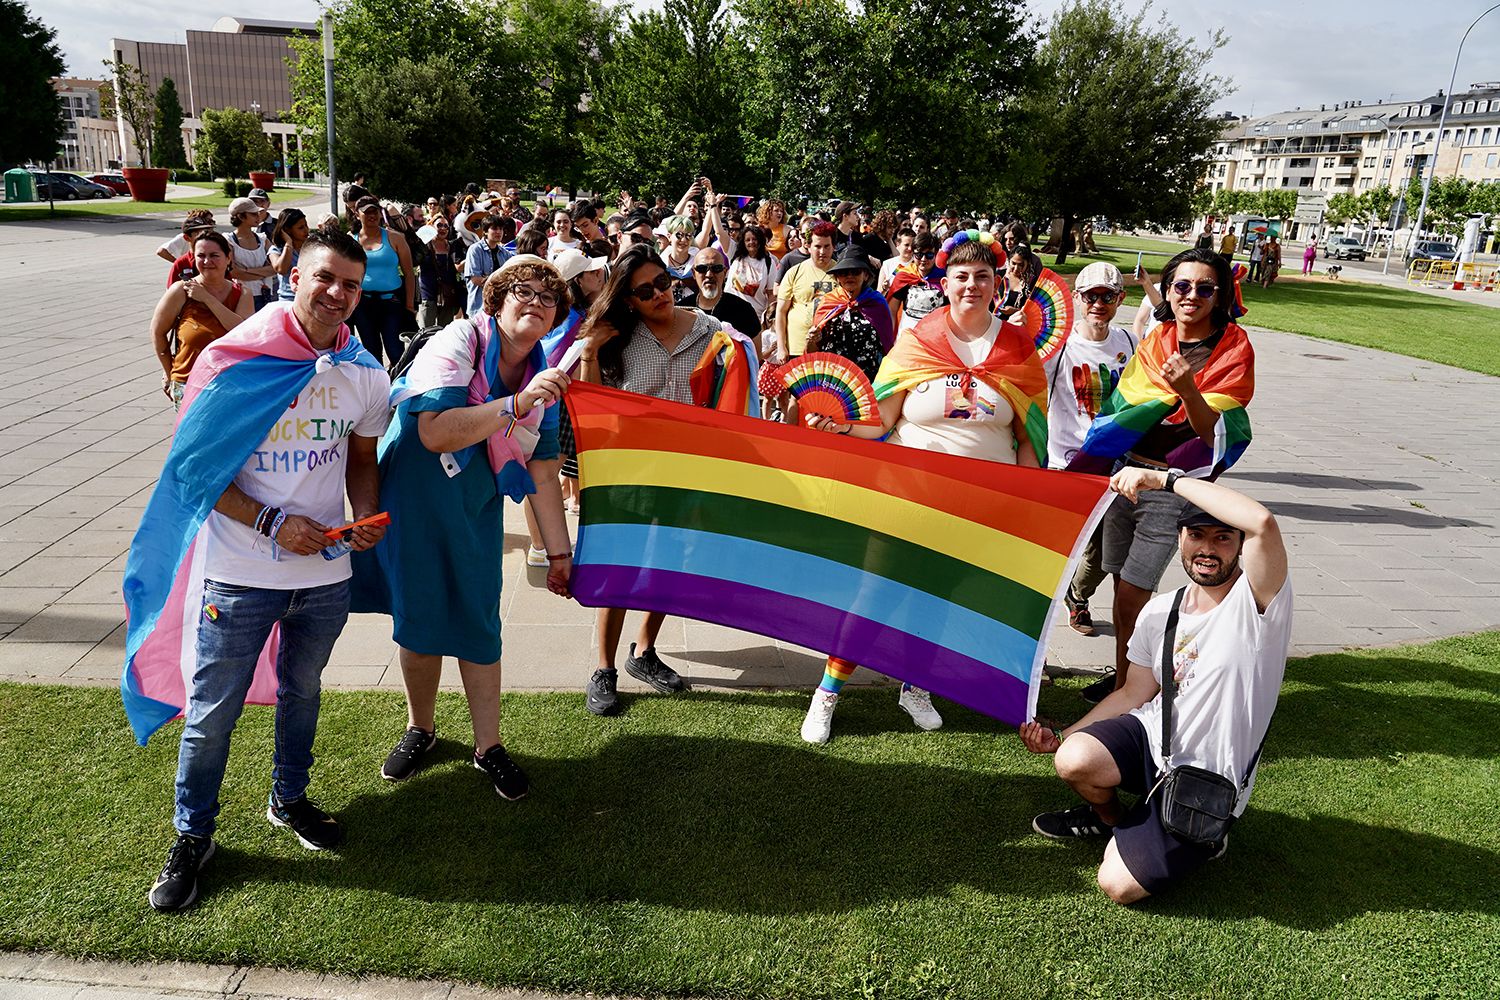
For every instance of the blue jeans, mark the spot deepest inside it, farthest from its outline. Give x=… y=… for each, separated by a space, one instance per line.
x=228 y=647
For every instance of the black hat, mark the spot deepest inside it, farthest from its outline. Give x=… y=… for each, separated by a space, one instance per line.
x=851 y=257
x=1197 y=517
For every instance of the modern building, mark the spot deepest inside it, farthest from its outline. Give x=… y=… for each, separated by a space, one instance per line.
x=80 y=102
x=240 y=63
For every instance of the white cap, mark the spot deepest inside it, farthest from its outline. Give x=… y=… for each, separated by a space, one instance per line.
x=523 y=258
x=571 y=263
x=1099 y=274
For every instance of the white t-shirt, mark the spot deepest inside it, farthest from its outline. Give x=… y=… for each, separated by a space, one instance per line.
x=750 y=279
x=299 y=467
x=1228 y=663
x=957 y=414
x=1080 y=378
x=556 y=243
x=176 y=246
x=921 y=299
x=887 y=269
x=259 y=257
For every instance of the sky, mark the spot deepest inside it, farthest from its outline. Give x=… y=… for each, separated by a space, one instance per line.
x=1282 y=54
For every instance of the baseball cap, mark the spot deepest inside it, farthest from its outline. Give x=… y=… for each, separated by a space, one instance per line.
x=571 y=263
x=258 y=193
x=1197 y=517
x=1099 y=274
x=242 y=206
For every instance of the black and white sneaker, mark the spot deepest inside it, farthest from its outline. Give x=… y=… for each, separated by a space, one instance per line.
x=510 y=781
x=1100 y=689
x=317 y=830
x=1066 y=824
x=599 y=695
x=403 y=761
x=649 y=669
x=176 y=887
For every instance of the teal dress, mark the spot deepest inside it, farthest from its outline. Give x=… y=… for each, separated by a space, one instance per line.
x=437 y=570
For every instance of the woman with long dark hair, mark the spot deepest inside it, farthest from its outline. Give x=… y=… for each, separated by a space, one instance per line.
x=286 y=245
x=390 y=287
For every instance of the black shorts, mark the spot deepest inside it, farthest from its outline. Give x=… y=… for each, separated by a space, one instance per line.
x=1155 y=857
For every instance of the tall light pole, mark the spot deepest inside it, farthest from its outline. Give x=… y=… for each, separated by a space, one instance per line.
x=333 y=177
x=1443 y=120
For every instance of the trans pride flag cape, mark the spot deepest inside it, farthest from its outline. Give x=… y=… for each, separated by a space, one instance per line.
x=240 y=386
x=1143 y=398
x=1013 y=369
x=939 y=570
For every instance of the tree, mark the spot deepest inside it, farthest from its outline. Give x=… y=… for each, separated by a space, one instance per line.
x=131 y=99
x=1120 y=109
x=1277 y=203
x=1342 y=207
x=1447 y=204
x=233 y=143
x=31 y=118
x=167 y=145
x=1376 y=204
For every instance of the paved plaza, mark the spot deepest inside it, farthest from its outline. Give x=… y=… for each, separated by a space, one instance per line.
x=1382 y=469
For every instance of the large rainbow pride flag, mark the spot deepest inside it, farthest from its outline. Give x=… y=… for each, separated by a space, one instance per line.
x=937 y=570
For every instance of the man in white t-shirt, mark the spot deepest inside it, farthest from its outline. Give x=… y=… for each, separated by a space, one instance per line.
x=1080 y=378
x=263 y=563
x=1228 y=657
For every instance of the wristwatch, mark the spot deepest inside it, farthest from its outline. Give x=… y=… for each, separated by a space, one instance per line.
x=1172 y=476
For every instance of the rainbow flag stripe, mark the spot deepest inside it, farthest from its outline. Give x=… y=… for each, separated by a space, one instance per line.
x=938 y=570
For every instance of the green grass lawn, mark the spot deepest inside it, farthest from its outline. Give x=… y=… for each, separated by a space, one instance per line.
x=211 y=198
x=696 y=847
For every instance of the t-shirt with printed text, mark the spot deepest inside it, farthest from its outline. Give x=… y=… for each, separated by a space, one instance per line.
x=1080 y=377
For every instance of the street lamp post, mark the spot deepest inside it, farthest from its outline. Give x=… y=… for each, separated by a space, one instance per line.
x=1399 y=209
x=1442 y=121
x=333 y=177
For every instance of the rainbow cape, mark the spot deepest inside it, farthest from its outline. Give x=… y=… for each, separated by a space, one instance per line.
x=869 y=302
x=1143 y=398
x=241 y=385
x=727 y=376
x=1013 y=369
x=940 y=570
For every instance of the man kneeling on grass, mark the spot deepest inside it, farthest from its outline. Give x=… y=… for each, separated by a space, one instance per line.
x=1232 y=630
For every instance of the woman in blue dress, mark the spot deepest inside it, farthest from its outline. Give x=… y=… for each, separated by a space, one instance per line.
x=476 y=420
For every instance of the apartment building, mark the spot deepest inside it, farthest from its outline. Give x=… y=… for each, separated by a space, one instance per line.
x=80 y=102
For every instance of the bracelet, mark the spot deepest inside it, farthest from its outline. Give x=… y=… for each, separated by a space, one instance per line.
x=1059 y=734
x=560 y=557
x=260 y=519
x=273 y=525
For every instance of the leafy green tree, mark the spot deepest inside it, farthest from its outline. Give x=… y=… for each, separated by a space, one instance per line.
x=1227 y=202
x=1342 y=207
x=1120 y=108
x=31 y=117
x=167 y=146
x=1277 y=203
x=1447 y=203
x=1376 y=203
x=233 y=143
x=130 y=98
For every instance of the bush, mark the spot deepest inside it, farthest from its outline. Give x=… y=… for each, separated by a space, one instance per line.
x=190 y=176
x=236 y=189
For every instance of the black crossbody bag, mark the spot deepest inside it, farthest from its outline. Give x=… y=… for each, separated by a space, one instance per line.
x=1196 y=804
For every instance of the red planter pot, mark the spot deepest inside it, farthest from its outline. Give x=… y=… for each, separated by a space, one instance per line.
x=147 y=183
x=263 y=179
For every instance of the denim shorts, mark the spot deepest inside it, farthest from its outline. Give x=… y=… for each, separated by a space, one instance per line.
x=1140 y=538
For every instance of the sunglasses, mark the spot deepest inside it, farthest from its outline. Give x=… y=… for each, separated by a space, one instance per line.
x=709 y=268
x=1094 y=298
x=1205 y=289
x=525 y=293
x=651 y=289
x=926 y=256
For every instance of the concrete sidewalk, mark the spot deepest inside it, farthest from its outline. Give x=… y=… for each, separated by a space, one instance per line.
x=1382 y=469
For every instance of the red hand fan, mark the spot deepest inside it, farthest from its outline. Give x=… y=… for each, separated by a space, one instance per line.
x=831 y=385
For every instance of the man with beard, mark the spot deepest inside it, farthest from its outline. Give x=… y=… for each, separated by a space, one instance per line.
x=1231 y=629
x=708 y=296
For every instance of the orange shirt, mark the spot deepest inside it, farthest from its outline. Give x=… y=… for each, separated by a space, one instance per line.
x=197 y=327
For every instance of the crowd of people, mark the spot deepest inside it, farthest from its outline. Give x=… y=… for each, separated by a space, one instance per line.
x=470 y=301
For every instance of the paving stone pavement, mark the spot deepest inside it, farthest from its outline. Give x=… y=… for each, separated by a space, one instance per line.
x=1382 y=470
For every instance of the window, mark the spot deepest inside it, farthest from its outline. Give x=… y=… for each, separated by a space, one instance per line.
x=1473 y=136
x=1406 y=162
x=1369 y=161
x=1328 y=162
x=1468 y=160
x=1447 y=134
x=1327 y=182
x=1364 y=182
x=1490 y=159
x=1484 y=137
x=1388 y=162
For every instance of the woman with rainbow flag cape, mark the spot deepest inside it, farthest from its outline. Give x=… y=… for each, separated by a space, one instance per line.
x=1179 y=405
x=961 y=381
x=475 y=422
x=640 y=341
x=853 y=320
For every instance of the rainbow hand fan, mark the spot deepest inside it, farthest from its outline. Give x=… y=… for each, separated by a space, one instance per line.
x=1048 y=314
x=831 y=385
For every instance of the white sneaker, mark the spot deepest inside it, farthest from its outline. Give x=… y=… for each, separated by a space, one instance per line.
x=819 y=721
x=918 y=705
x=536 y=558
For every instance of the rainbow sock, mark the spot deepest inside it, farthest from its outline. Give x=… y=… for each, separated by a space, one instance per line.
x=835 y=673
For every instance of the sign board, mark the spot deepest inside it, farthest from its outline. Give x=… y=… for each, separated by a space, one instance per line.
x=1310 y=207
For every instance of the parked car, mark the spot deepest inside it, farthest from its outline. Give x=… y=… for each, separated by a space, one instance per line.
x=1343 y=248
x=115 y=182
x=61 y=186
x=1430 y=250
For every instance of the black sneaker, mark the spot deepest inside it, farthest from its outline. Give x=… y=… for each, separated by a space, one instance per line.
x=176 y=887
x=649 y=668
x=402 y=762
x=317 y=830
x=1080 y=621
x=599 y=696
x=1100 y=689
x=1065 y=824
x=510 y=781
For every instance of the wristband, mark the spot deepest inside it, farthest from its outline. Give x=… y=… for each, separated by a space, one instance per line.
x=269 y=520
x=1059 y=734
x=560 y=557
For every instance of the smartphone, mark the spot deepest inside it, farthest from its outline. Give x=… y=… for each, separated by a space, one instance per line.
x=346 y=532
x=1138 y=272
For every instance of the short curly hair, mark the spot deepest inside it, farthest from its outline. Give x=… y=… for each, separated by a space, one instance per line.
x=499 y=284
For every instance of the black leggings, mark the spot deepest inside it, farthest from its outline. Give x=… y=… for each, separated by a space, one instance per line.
x=378 y=320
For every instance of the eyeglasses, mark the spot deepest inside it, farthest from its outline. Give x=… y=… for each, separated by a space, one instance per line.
x=651 y=289
x=1205 y=289
x=709 y=268
x=926 y=256
x=1094 y=298
x=525 y=293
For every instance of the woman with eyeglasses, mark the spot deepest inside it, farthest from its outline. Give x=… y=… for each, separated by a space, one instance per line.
x=1193 y=366
x=475 y=422
x=680 y=252
x=639 y=340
